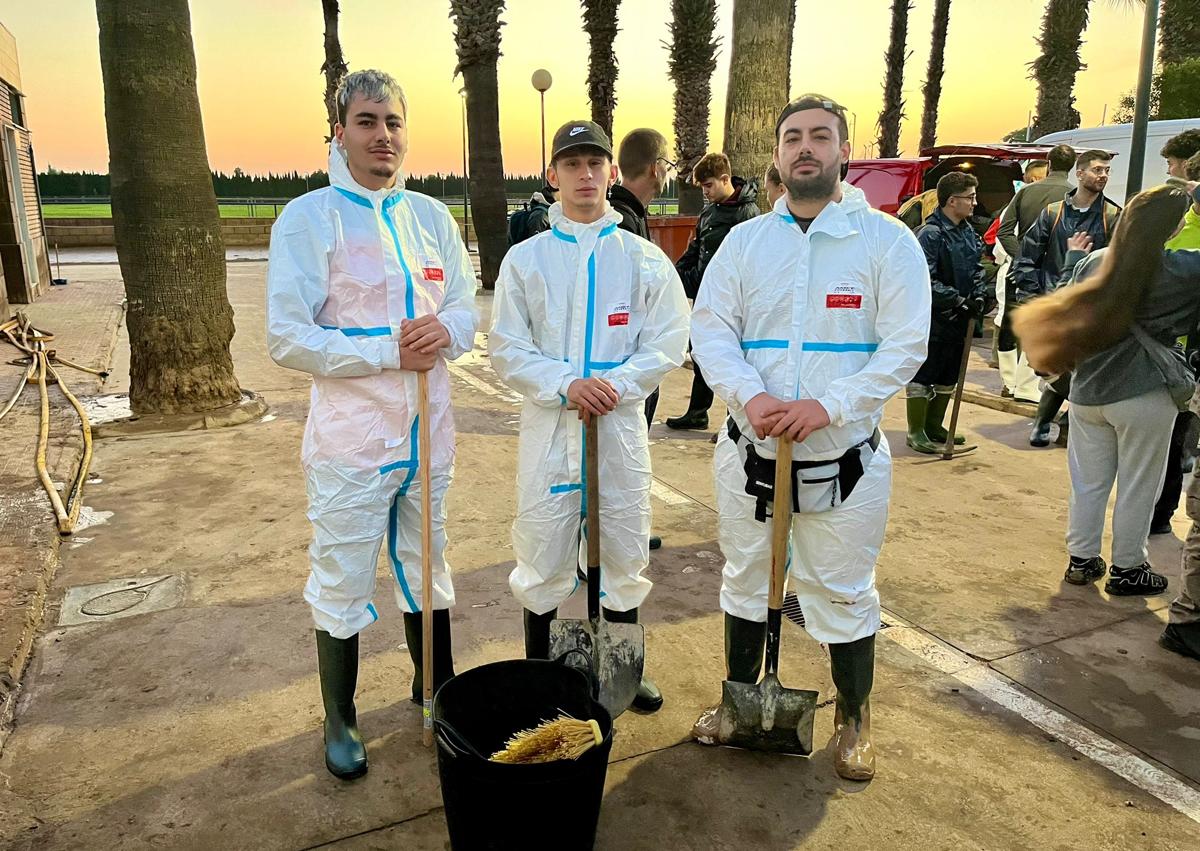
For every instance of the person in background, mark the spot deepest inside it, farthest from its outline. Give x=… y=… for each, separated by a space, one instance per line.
x=773 y=184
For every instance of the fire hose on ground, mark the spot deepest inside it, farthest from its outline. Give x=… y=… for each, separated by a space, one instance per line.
x=39 y=363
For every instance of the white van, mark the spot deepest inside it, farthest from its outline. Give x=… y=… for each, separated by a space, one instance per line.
x=1117 y=138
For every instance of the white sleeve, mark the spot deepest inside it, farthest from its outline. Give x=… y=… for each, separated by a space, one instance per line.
x=297 y=286
x=718 y=322
x=662 y=341
x=515 y=357
x=902 y=327
x=458 y=312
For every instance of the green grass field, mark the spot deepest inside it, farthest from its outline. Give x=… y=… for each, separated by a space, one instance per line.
x=242 y=211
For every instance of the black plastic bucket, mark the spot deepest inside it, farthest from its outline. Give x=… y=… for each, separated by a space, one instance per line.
x=494 y=805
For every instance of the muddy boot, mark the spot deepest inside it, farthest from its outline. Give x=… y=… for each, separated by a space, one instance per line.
x=648 y=697
x=337 y=662
x=853 y=667
x=697 y=420
x=1047 y=410
x=537 y=634
x=918 y=413
x=934 y=429
x=744 y=644
x=443 y=655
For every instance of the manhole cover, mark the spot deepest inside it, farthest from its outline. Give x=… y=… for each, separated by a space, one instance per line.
x=120 y=598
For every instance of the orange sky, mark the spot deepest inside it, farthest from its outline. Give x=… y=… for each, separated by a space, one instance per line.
x=260 y=86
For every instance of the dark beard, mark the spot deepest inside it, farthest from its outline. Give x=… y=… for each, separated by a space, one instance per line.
x=816 y=188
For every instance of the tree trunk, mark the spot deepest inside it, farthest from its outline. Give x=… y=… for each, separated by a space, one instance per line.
x=1055 y=69
x=933 y=77
x=692 y=58
x=334 y=67
x=165 y=219
x=893 y=84
x=759 y=66
x=1179 y=31
x=600 y=23
x=477 y=35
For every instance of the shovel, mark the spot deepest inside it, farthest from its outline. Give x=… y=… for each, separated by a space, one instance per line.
x=767 y=716
x=950 y=449
x=611 y=654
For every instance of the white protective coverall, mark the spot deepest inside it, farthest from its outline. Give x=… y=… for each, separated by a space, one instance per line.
x=840 y=315
x=346 y=266
x=577 y=301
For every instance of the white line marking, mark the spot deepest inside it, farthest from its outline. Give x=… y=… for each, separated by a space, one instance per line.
x=481 y=385
x=1001 y=690
x=667 y=494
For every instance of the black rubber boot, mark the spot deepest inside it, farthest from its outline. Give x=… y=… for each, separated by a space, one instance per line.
x=853 y=668
x=337 y=662
x=935 y=418
x=744 y=644
x=537 y=634
x=1047 y=410
x=690 y=420
x=648 y=697
x=917 y=408
x=443 y=653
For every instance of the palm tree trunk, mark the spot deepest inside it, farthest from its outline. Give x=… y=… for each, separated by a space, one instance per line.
x=893 y=84
x=1179 y=31
x=933 y=77
x=1055 y=69
x=759 y=71
x=692 y=58
x=334 y=67
x=165 y=218
x=600 y=23
x=477 y=36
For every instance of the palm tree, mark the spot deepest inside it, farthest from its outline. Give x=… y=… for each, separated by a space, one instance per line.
x=759 y=78
x=933 y=77
x=165 y=219
x=600 y=23
x=477 y=37
x=893 y=84
x=1055 y=69
x=692 y=58
x=334 y=67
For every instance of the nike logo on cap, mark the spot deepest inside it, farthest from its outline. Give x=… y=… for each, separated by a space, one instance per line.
x=575 y=131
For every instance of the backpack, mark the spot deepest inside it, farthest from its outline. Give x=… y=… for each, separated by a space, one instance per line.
x=519 y=222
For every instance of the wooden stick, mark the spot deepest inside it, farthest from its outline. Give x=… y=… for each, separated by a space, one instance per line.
x=948 y=451
x=426 y=556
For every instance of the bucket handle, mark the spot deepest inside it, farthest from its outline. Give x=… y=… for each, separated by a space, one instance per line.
x=588 y=672
x=454 y=741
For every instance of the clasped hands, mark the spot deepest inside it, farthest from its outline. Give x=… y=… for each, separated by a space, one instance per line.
x=420 y=340
x=771 y=417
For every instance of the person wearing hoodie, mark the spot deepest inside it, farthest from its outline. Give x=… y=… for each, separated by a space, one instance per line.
x=730 y=201
x=810 y=319
x=533 y=218
x=367 y=285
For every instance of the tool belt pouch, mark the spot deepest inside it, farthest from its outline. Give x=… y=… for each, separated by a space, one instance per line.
x=817 y=486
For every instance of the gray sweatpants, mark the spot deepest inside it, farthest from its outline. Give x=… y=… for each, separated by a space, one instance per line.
x=1185 y=609
x=1126 y=441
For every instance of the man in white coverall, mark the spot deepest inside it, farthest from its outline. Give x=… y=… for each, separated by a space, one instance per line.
x=367 y=285
x=810 y=318
x=587 y=321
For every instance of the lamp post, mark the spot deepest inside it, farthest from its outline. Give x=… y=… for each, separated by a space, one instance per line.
x=466 y=189
x=1141 y=106
x=542 y=81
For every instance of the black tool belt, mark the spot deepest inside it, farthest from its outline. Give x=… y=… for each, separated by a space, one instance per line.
x=840 y=482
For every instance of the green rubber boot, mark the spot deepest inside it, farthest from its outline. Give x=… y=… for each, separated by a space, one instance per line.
x=648 y=697
x=337 y=661
x=443 y=655
x=934 y=429
x=918 y=413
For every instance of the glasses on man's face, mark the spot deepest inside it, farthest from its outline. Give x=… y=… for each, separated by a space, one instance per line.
x=970 y=197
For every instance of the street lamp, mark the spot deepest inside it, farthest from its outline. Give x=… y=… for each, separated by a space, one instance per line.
x=466 y=189
x=1141 y=106
x=542 y=81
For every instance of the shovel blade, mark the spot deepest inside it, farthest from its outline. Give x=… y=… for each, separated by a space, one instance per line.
x=613 y=655
x=767 y=717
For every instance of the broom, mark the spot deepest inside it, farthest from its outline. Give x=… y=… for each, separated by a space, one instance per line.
x=561 y=738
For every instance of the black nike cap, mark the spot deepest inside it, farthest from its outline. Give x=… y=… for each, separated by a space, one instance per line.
x=578 y=134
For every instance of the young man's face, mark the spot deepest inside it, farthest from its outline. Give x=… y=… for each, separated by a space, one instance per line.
x=1176 y=167
x=1035 y=173
x=716 y=189
x=582 y=177
x=775 y=191
x=809 y=154
x=1095 y=177
x=375 y=139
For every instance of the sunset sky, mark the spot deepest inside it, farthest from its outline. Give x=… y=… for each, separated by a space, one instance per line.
x=260 y=85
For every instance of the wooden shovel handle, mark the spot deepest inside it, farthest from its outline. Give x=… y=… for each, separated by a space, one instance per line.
x=423 y=461
x=781 y=520
x=591 y=461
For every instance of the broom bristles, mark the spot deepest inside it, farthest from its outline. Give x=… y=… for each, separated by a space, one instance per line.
x=561 y=738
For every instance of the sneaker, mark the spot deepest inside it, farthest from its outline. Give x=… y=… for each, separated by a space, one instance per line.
x=1183 y=639
x=1081 y=571
x=1138 y=581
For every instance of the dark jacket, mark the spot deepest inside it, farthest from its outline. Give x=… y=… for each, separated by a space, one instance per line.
x=716 y=220
x=1026 y=206
x=531 y=219
x=633 y=214
x=1040 y=263
x=1170 y=308
x=956 y=274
